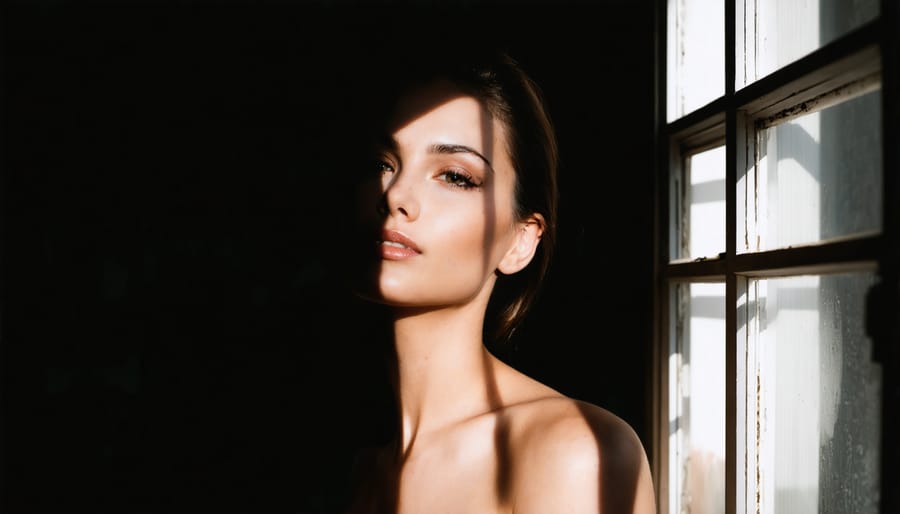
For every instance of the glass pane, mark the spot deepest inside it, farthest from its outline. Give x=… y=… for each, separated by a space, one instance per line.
x=700 y=226
x=697 y=399
x=813 y=440
x=695 y=54
x=816 y=177
x=780 y=32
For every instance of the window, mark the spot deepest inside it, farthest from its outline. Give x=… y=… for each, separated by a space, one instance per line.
x=777 y=308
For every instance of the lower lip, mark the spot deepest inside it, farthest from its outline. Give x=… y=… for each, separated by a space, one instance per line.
x=394 y=253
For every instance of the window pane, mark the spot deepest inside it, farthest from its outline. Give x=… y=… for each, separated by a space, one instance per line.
x=816 y=177
x=697 y=399
x=813 y=426
x=700 y=227
x=695 y=54
x=776 y=33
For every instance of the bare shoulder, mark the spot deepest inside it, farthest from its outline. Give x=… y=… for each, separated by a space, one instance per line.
x=573 y=456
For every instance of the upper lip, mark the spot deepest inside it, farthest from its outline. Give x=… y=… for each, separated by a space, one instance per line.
x=398 y=237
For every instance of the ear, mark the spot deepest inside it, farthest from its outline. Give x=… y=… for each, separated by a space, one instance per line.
x=525 y=242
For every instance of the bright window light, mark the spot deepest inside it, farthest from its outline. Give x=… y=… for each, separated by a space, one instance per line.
x=775 y=33
x=816 y=177
x=697 y=404
x=696 y=54
x=813 y=428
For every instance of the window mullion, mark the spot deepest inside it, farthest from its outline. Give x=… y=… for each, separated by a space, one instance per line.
x=737 y=148
x=732 y=429
x=732 y=505
x=730 y=26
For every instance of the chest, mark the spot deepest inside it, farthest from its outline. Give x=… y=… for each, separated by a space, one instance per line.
x=459 y=475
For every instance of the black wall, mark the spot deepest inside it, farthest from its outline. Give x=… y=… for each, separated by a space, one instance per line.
x=171 y=338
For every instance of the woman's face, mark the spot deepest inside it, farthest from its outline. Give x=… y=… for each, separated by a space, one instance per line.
x=439 y=210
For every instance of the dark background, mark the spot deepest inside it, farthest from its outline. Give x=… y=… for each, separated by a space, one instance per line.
x=172 y=338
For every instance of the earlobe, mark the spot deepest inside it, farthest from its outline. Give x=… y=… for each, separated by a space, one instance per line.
x=527 y=238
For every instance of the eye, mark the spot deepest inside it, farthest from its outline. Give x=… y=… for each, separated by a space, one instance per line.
x=459 y=179
x=383 y=166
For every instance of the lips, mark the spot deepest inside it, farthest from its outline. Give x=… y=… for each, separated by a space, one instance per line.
x=396 y=246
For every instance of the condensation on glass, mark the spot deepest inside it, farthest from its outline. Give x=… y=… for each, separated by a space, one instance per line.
x=697 y=398
x=699 y=209
x=773 y=33
x=813 y=177
x=813 y=418
x=696 y=55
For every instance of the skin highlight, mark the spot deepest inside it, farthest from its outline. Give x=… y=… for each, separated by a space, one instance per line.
x=442 y=207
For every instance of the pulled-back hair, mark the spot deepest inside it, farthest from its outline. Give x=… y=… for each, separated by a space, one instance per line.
x=513 y=98
x=488 y=73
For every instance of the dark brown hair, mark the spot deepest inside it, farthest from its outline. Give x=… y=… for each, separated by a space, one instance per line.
x=516 y=100
x=490 y=74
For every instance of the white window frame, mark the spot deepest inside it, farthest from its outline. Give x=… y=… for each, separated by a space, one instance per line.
x=853 y=58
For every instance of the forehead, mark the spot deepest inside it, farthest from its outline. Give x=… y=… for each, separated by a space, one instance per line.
x=442 y=110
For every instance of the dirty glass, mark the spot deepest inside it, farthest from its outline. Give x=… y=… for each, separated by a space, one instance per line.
x=813 y=424
x=697 y=399
x=776 y=33
x=815 y=177
x=696 y=55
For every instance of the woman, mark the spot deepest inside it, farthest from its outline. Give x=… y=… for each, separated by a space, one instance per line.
x=457 y=226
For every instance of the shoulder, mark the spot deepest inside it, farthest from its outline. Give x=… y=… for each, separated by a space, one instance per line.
x=574 y=456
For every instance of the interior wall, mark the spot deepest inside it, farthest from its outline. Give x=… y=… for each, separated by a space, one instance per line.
x=171 y=339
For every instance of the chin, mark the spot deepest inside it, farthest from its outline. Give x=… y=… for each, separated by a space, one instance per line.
x=368 y=287
x=391 y=298
x=387 y=298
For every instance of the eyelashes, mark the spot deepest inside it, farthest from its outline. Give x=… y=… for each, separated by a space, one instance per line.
x=459 y=178
x=453 y=177
x=383 y=166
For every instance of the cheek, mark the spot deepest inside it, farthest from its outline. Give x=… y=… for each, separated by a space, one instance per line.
x=474 y=238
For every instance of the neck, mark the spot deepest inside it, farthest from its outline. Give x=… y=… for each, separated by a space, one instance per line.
x=444 y=373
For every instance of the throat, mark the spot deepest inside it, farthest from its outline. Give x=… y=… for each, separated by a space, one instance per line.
x=445 y=390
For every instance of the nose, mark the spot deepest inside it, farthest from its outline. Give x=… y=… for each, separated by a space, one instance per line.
x=400 y=197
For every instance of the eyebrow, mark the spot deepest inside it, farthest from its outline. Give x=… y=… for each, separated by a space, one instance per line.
x=388 y=142
x=446 y=148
